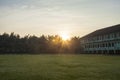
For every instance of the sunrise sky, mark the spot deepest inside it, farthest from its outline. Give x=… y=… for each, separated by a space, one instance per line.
x=50 y=17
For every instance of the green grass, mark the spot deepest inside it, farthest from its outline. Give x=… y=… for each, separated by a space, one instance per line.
x=59 y=67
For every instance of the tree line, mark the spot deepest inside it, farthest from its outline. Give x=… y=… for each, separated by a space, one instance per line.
x=51 y=44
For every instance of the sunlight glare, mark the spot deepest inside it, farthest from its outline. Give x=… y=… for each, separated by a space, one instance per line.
x=65 y=36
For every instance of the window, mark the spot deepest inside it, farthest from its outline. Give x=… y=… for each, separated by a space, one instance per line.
x=103 y=45
x=115 y=35
x=106 y=45
x=112 y=44
x=108 y=36
x=109 y=44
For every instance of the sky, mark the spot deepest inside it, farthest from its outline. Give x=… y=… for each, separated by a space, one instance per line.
x=51 y=17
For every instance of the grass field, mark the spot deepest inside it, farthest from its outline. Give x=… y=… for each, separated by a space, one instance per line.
x=59 y=67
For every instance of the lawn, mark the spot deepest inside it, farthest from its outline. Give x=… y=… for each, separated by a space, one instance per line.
x=59 y=67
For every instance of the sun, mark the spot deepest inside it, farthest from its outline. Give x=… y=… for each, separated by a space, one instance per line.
x=65 y=36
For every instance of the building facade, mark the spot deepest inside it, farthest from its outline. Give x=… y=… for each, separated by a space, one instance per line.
x=105 y=40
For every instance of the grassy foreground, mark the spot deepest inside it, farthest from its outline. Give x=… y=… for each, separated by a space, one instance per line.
x=59 y=67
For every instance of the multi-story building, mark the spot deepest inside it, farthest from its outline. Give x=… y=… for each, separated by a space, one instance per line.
x=106 y=40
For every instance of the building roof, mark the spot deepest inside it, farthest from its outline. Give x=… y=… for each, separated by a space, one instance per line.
x=111 y=29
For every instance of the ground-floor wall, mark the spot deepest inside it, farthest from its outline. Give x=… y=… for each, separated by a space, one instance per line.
x=103 y=47
x=104 y=51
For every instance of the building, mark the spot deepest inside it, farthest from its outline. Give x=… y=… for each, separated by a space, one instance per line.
x=106 y=40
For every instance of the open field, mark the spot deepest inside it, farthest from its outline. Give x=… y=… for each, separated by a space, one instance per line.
x=59 y=67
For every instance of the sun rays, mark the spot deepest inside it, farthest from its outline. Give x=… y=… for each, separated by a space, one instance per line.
x=65 y=36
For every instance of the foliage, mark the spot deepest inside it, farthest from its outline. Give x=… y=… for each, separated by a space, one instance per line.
x=13 y=43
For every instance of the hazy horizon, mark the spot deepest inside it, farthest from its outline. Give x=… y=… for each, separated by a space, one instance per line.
x=52 y=17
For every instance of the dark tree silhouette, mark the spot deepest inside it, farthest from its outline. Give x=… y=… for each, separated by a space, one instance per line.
x=13 y=43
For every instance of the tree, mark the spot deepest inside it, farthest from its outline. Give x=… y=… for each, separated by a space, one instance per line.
x=13 y=43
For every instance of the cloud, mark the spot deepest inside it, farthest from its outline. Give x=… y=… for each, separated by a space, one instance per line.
x=54 y=15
